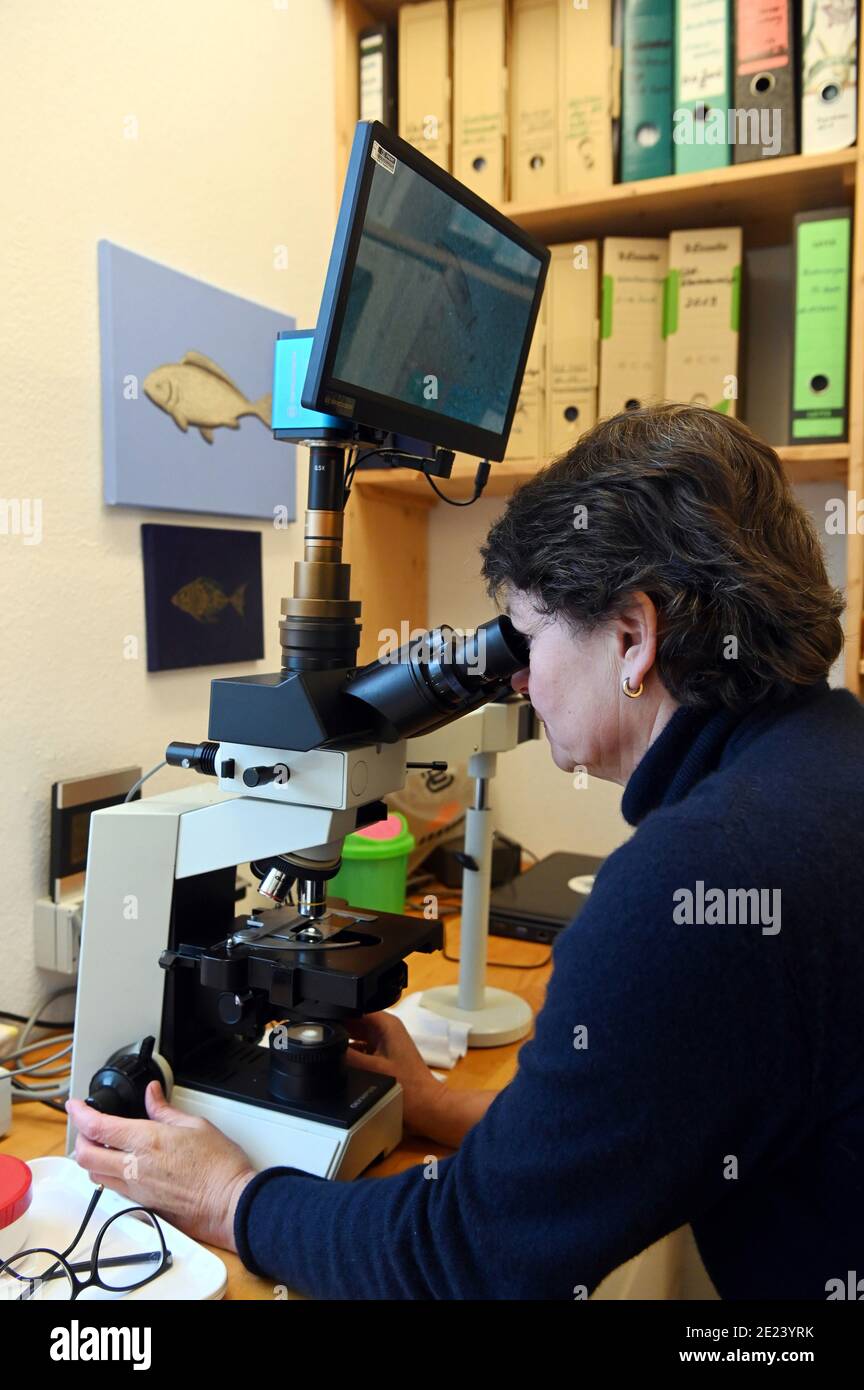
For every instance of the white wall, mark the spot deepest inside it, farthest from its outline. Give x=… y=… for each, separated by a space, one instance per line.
x=234 y=156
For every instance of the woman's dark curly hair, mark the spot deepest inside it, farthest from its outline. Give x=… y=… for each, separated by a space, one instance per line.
x=693 y=509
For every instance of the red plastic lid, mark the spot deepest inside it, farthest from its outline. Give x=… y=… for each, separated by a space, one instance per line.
x=16 y=1189
x=388 y=829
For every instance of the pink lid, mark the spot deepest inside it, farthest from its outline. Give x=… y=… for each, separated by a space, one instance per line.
x=16 y=1189
x=387 y=829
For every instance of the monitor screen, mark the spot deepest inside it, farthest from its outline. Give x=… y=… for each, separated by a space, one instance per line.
x=429 y=306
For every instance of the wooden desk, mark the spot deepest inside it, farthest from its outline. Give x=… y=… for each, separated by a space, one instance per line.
x=37 y=1131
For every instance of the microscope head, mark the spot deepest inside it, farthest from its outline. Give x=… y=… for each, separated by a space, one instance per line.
x=426 y=683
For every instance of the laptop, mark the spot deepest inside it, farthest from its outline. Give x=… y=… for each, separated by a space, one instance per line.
x=538 y=904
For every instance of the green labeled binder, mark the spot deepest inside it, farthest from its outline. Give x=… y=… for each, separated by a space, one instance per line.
x=703 y=85
x=820 y=357
x=647 y=76
x=701 y=317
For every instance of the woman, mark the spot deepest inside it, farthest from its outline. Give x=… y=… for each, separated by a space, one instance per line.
x=700 y=1055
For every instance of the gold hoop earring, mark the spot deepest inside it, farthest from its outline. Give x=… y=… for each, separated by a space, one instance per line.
x=631 y=694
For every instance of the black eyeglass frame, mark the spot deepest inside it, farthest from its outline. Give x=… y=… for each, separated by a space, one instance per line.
x=61 y=1257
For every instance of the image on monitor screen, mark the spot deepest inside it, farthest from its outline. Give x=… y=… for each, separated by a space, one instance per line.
x=438 y=303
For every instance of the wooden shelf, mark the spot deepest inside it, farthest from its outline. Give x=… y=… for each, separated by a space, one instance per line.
x=763 y=196
x=413 y=487
x=804 y=463
x=384 y=9
x=815 y=463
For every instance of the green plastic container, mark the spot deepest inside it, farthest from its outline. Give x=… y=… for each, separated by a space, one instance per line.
x=375 y=865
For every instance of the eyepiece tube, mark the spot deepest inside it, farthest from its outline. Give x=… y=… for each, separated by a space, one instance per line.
x=440 y=676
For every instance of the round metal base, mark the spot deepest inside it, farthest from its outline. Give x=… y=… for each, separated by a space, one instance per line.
x=504 y=1017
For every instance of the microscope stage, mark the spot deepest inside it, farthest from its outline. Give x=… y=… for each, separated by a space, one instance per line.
x=329 y=980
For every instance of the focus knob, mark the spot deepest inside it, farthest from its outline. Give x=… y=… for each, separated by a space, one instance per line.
x=118 y=1087
x=260 y=776
x=233 y=1008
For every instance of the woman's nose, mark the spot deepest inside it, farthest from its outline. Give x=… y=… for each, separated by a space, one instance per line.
x=519 y=681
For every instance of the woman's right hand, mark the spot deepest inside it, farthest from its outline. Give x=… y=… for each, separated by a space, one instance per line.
x=389 y=1048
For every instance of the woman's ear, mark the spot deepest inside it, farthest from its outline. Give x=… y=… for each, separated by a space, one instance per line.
x=636 y=638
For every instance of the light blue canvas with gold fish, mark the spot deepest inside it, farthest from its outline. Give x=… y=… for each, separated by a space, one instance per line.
x=186 y=382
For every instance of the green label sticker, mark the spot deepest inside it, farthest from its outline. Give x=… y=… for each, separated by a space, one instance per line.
x=606 y=306
x=671 y=290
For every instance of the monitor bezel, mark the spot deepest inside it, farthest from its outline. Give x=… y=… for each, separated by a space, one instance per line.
x=327 y=393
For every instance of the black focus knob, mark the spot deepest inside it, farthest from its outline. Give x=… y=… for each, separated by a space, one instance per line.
x=118 y=1087
x=233 y=1008
x=260 y=776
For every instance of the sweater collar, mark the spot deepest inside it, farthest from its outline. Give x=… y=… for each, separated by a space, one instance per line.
x=688 y=748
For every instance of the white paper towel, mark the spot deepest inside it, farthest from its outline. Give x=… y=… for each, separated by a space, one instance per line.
x=440 y=1041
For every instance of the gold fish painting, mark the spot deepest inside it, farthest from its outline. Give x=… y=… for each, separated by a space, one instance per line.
x=197 y=392
x=205 y=601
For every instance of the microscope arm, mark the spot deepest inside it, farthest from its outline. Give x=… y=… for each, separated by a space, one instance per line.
x=495 y=727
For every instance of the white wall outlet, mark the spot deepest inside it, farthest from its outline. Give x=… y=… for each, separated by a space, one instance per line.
x=58 y=934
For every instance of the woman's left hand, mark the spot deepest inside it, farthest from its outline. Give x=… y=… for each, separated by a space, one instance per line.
x=180 y=1166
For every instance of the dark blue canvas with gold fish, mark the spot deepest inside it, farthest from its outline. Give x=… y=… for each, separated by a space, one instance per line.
x=203 y=596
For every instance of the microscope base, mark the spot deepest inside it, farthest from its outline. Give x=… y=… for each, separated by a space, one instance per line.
x=504 y=1017
x=273 y=1139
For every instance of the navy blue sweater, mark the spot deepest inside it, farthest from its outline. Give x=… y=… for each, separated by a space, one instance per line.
x=686 y=1067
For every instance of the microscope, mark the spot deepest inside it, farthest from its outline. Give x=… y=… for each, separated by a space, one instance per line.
x=245 y=1016
x=173 y=983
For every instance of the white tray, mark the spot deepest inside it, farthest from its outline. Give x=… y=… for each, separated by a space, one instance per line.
x=61 y=1194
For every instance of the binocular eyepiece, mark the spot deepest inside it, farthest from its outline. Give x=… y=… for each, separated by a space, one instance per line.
x=440 y=675
x=409 y=691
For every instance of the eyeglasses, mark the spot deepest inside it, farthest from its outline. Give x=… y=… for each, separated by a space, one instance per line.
x=125 y=1257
